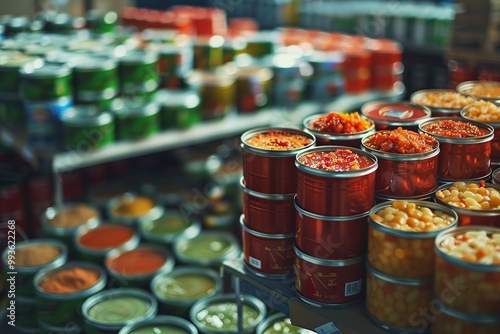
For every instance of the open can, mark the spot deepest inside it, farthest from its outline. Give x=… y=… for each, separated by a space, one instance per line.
x=164 y=323
x=389 y=115
x=481 y=90
x=442 y=102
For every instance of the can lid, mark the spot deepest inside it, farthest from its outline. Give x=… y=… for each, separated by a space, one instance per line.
x=395 y=113
x=94 y=63
x=46 y=71
x=86 y=116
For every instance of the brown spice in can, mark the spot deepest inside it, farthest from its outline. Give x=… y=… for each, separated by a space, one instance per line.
x=74 y=216
x=134 y=206
x=278 y=141
x=36 y=255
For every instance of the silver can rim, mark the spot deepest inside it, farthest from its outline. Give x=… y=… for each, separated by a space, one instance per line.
x=459 y=140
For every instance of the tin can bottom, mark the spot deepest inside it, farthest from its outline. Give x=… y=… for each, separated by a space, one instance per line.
x=486 y=178
x=266 y=275
x=395 y=329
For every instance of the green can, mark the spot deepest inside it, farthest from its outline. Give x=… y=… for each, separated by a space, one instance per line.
x=208 y=52
x=178 y=108
x=11 y=110
x=261 y=44
x=232 y=48
x=175 y=63
x=25 y=308
x=85 y=129
x=140 y=121
x=138 y=71
x=48 y=82
x=101 y=23
x=95 y=79
x=10 y=67
x=62 y=308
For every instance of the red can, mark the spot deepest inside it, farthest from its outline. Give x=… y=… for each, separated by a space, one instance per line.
x=322 y=282
x=272 y=171
x=336 y=193
x=389 y=115
x=329 y=237
x=465 y=157
x=268 y=213
x=267 y=255
x=357 y=71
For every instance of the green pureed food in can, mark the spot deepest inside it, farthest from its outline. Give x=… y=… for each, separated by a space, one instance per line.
x=178 y=108
x=61 y=292
x=10 y=67
x=162 y=324
x=85 y=129
x=138 y=72
x=109 y=311
x=137 y=121
x=48 y=82
x=95 y=79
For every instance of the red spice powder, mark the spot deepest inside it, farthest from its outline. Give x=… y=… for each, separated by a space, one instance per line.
x=136 y=262
x=106 y=237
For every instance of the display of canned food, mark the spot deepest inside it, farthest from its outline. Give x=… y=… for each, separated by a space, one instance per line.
x=401 y=237
x=484 y=90
x=390 y=115
x=442 y=102
x=468 y=269
x=160 y=324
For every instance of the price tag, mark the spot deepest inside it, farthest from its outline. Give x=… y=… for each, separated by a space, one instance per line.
x=328 y=328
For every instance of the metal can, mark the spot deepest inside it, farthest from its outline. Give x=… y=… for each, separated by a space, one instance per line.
x=120 y=209
x=327 y=81
x=394 y=303
x=271 y=171
x=161 y=322
x=11 y=110
x=85 y=129
x=107 y=312
x=280 y=323
x=174 y=64
x=267 y=255
x=208 y=52
x=61 y=309
x=268 y=213
x=101 y=23
x=10 y=71
x=357 y=71
x=95 y=79
x=332 y=192
x=137 y=121
x=178 y=108
x=45 y=83
x=232 y=47
x=262 y=43
x=464 y=284
x=461 y=157
x=253 y=88
x=481 y=90
x=138 y=72
x=179 y=289
x=328 y=283
x=330 y=237
x=451 y=107
x=389 y=115
x=448 y=320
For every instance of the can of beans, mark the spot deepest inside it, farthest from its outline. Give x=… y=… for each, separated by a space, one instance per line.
x=10 y=71
x=447 y=321
x=481 y=90
x=92 y=244
x=335 y=180
x=49 y=82
x=328 y=283
x=164 y=322
x=465 y=147
x=389 y=115
x=267 y=255
x=268 y=158
x=138 y=72
x=475 y=202
x=108 y=311
x=59 y=297
x=331 y=237
x=468 y=270
x=208 y=52
x=179 y=289
x=137 y=267
x=179 y=109
x=486 y=112
x=401 y=237
x=85 y=129
x=137 y=121
x=95 y=79
x=343 y=129
x=253 y=88
x=394 y=303
x=442 y=102
x=27 y=259
x=408 y=162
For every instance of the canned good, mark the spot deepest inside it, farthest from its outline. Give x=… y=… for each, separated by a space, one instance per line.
x=10 y=71
x=45 y=83
x=216 y=90
x=137 y=267
x=331 y=237
x=468 y=270
x=162 y=323
x=327 y=183
x=267 y=255
x=402 y=173
x=138 y=72
x=85 y=129
x=109 y=311
x=11 y=111
x=268 y=169
x=253 y=88
x=480 y=210
x=386 y=66
x=94 y=243
x=137 y=121
x=27 y=259
x=262 y=43
x=225 y=306
x=357 y=71
x=449 y=321
x=209 y=249
x=328 y=283
x=60 y=305
x=101 y=23
x=175 y=62
x=129 y=208
x=232 y=47
x=394 y=303
x=280 y=323
x=268 y=213
x=481 y=90
x=95 y=79
x=178 y=108
x=339 y=128
x=390 y=115
x=465 y=147
x=327 y=81
x=43 y=122
x=178 y=290
x=208 y=52
x=442 y=102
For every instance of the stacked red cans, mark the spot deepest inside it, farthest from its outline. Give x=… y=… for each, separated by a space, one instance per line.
x=387 y=66
x=335 y=191
x=269 y=186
